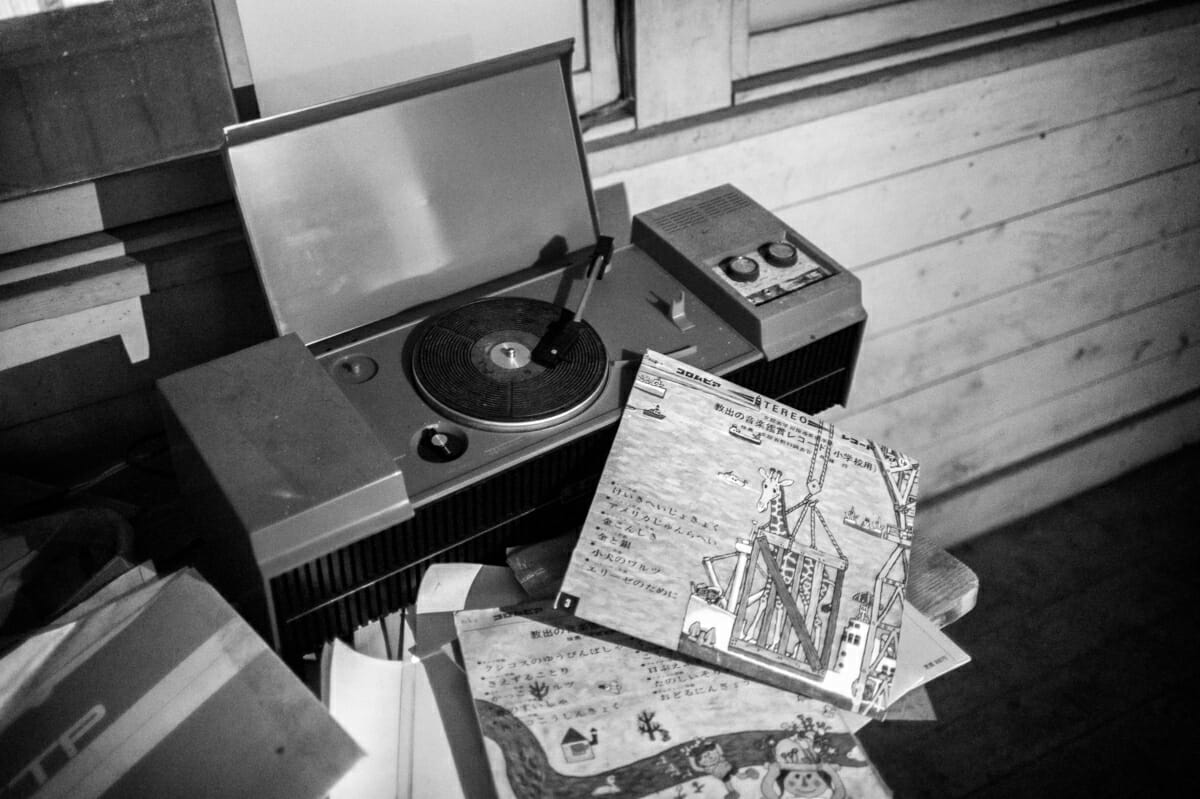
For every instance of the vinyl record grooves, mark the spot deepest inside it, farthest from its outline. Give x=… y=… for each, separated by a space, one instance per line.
x=473 y=364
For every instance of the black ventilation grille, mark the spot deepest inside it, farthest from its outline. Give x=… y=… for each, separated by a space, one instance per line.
x=680 y=220
x=703 y=212
x=334 y=594
x=727 y=203
x=811 y=378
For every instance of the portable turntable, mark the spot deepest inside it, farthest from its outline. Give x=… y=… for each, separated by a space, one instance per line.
x=457 y=339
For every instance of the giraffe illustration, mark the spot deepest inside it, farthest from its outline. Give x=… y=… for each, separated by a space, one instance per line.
x=771 y=496
x=772 y=499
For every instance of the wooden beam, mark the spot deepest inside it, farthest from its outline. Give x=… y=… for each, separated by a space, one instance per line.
x=127 y=240
x=939 y=585
x=186 y=324
x=34 y=340
x=112 y=201
x=682 y=53
x=70 y=290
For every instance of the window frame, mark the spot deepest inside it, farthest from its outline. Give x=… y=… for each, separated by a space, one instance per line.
x=693 y=63
x=820 y=51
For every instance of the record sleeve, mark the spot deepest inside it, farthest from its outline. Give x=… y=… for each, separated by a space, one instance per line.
x=739 y=531
x=571 y=709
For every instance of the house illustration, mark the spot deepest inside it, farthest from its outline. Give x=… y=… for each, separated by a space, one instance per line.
x=576 y=747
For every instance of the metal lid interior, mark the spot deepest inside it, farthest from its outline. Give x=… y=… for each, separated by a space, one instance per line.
x=362 y=208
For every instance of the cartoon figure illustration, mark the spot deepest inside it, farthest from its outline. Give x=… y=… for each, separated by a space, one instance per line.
x=809 y=780
x=709 y=593
x=707 y=637
x=707 y=757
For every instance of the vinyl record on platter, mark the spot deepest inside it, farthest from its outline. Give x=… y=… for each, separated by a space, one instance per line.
x=474 y=365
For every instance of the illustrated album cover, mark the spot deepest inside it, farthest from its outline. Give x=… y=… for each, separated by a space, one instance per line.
x=734 y=529
x=570 y=709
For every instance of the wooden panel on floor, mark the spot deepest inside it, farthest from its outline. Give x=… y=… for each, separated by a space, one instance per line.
x=1097 y=653
x=835 y=153
x=1085 y=609
x=1149 y=735
x=1030 y=487
x=1013 y=729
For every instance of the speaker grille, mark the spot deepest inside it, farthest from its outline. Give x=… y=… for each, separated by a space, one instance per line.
x=811 y=378
x=334 y=594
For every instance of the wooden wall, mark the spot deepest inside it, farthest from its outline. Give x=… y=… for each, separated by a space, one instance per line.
x=1028 y=244
x=1029 y=249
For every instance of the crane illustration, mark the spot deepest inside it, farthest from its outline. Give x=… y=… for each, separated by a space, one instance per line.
x=875 y=675
x=779 y=599
x=787 y=577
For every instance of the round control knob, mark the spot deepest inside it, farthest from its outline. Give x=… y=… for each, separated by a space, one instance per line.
x=741 y=268
x=779 y=253
x=441 y=445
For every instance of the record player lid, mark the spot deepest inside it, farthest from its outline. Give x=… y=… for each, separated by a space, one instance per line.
x=361 y=208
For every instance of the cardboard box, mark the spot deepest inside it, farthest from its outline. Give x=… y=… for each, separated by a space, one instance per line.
x=164 y=691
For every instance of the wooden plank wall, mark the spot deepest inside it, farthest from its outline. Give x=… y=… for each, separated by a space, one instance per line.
x=1027 y=242
x=1029 y=248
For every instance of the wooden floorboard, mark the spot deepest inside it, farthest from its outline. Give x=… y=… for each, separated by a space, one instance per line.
x=1083 y=642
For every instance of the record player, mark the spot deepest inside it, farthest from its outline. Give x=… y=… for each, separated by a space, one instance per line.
x=457 y=338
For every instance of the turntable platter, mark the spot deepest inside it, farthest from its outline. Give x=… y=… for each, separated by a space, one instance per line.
x=474 y=365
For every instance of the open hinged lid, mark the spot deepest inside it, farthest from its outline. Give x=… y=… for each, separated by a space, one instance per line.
x=364 y=207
